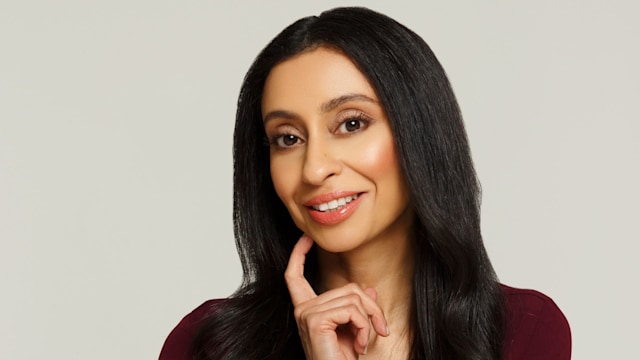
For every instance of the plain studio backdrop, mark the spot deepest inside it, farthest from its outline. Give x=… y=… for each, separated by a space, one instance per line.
x=116 y=124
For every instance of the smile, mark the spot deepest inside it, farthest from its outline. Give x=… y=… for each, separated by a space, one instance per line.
x=334 y=208
x=335 y=204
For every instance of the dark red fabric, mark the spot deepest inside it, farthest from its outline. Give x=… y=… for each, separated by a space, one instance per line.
x=536 y=328
x=177 y=346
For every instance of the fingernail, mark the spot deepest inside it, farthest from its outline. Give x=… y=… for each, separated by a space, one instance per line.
x=365 y=349
x=388 y=332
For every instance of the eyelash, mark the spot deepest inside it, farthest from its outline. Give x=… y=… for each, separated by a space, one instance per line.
x=275 y=139
x=361 y=118
x=286 y=131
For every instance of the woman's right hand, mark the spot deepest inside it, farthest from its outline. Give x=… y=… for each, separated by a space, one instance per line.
x=335 y=324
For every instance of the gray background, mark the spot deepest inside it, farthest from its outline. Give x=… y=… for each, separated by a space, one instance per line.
x=115 y=159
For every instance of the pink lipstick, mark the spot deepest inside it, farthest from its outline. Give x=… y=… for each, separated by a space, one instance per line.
x=334 y=208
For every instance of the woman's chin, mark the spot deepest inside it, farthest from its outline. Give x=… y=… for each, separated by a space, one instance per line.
x=333 y=243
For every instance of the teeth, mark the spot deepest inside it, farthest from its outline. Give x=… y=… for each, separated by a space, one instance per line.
x=335 y=204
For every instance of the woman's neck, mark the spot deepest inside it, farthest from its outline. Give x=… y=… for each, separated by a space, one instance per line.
x=384 y=265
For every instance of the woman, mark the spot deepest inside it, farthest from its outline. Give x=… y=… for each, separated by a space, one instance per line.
x=348 y=136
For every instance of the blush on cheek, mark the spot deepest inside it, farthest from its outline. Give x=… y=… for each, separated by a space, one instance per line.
x=378 y=158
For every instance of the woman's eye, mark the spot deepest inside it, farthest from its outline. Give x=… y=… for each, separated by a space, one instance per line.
x=351 y=125
x=286 y=140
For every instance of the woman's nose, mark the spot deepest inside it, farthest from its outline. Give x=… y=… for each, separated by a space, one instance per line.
x=319 y=163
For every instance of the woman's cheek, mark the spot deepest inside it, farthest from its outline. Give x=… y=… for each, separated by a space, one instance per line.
x=375 y=158
x=284 y=178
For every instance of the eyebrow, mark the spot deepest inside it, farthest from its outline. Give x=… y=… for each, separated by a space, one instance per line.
x=326 y=107
x=334 y=103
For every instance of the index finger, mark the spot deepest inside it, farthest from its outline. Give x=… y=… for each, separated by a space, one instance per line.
x=299 y=288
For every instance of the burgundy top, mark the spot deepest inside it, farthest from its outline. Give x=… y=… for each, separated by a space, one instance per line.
x=536 y=329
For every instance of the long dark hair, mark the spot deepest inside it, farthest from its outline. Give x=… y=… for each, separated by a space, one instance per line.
x=457 y=304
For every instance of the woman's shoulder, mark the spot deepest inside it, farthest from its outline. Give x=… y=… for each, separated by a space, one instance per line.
x=536 y=328
x=177 y=346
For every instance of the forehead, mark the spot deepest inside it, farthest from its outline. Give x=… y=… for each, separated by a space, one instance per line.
x=312 y=78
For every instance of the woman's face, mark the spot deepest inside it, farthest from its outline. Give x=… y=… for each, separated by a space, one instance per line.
x=333 y=161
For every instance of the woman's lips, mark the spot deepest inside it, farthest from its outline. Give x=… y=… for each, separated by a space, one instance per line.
x=332 y=209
